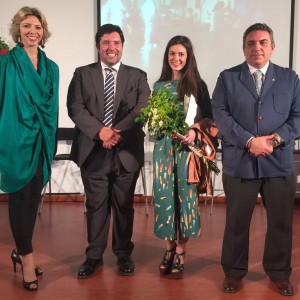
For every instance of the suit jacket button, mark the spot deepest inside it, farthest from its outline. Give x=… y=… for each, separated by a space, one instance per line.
x=260 y=118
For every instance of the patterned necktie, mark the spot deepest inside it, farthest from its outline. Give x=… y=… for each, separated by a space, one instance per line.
x=109 y=89
x=258 y=75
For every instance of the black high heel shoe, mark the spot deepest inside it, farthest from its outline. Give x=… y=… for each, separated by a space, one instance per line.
x=177 y=267
x=30 y=285
x=166 y=264
x=17 y=260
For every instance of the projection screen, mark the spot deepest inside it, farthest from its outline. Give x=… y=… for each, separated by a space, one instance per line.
x=214 y=27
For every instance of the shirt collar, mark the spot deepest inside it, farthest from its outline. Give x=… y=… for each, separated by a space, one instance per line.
x=115 y=67
x=263 y=69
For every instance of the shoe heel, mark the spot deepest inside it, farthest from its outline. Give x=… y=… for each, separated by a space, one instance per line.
x=15 y=258
x=38 y=271
x=15 y=266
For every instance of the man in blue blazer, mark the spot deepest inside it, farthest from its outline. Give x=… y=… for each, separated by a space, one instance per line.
x=259 y=124
x=108 y=146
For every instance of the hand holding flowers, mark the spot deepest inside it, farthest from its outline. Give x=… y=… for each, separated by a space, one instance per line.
x=165 y=115
x=201 y=152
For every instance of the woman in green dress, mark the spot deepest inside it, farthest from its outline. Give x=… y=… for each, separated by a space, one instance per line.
x=28 y=125
x=175 y=200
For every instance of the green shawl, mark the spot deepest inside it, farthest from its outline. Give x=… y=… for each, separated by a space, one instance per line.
x=28 y=117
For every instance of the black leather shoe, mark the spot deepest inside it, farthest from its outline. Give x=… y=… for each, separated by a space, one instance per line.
x=230 y=284
x=89 y=267
x=284 y=287
x=126 y=266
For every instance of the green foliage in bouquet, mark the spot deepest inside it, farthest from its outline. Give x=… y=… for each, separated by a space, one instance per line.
x=164 y=115
x=3 y=45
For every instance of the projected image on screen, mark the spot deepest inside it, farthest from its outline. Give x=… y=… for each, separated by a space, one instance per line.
x=214 y=27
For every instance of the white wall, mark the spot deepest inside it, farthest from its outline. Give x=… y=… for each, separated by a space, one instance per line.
x=73 y=26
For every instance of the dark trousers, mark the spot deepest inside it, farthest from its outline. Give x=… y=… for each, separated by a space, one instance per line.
x=278 y=197
x=22 y=208
x=109 y=188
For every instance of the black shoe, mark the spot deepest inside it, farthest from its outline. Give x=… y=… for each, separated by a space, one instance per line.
x=230 y=284
x=177 y=267
x=30 y=285
x=16 y=259
x=165 y=266
x=89 y=267
x=284 y=287
x=126 y=266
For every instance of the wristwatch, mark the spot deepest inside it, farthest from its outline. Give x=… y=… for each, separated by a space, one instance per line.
x=276 y=140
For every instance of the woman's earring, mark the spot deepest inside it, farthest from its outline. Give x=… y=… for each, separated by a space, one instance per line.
x=20 y=42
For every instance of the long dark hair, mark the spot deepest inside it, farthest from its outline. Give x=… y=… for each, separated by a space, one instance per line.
x=190 y=82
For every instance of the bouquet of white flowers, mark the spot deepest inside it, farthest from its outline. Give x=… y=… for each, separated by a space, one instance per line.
x=165 y=115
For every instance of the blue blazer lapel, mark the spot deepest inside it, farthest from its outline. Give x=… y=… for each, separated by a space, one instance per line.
x=247 y=80
x=270 y=80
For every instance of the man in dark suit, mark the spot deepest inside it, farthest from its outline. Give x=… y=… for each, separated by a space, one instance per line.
x=109 y=153
x=258 y=123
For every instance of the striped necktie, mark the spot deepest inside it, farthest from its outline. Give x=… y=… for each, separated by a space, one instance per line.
x=109 y=89
x=258 y=76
